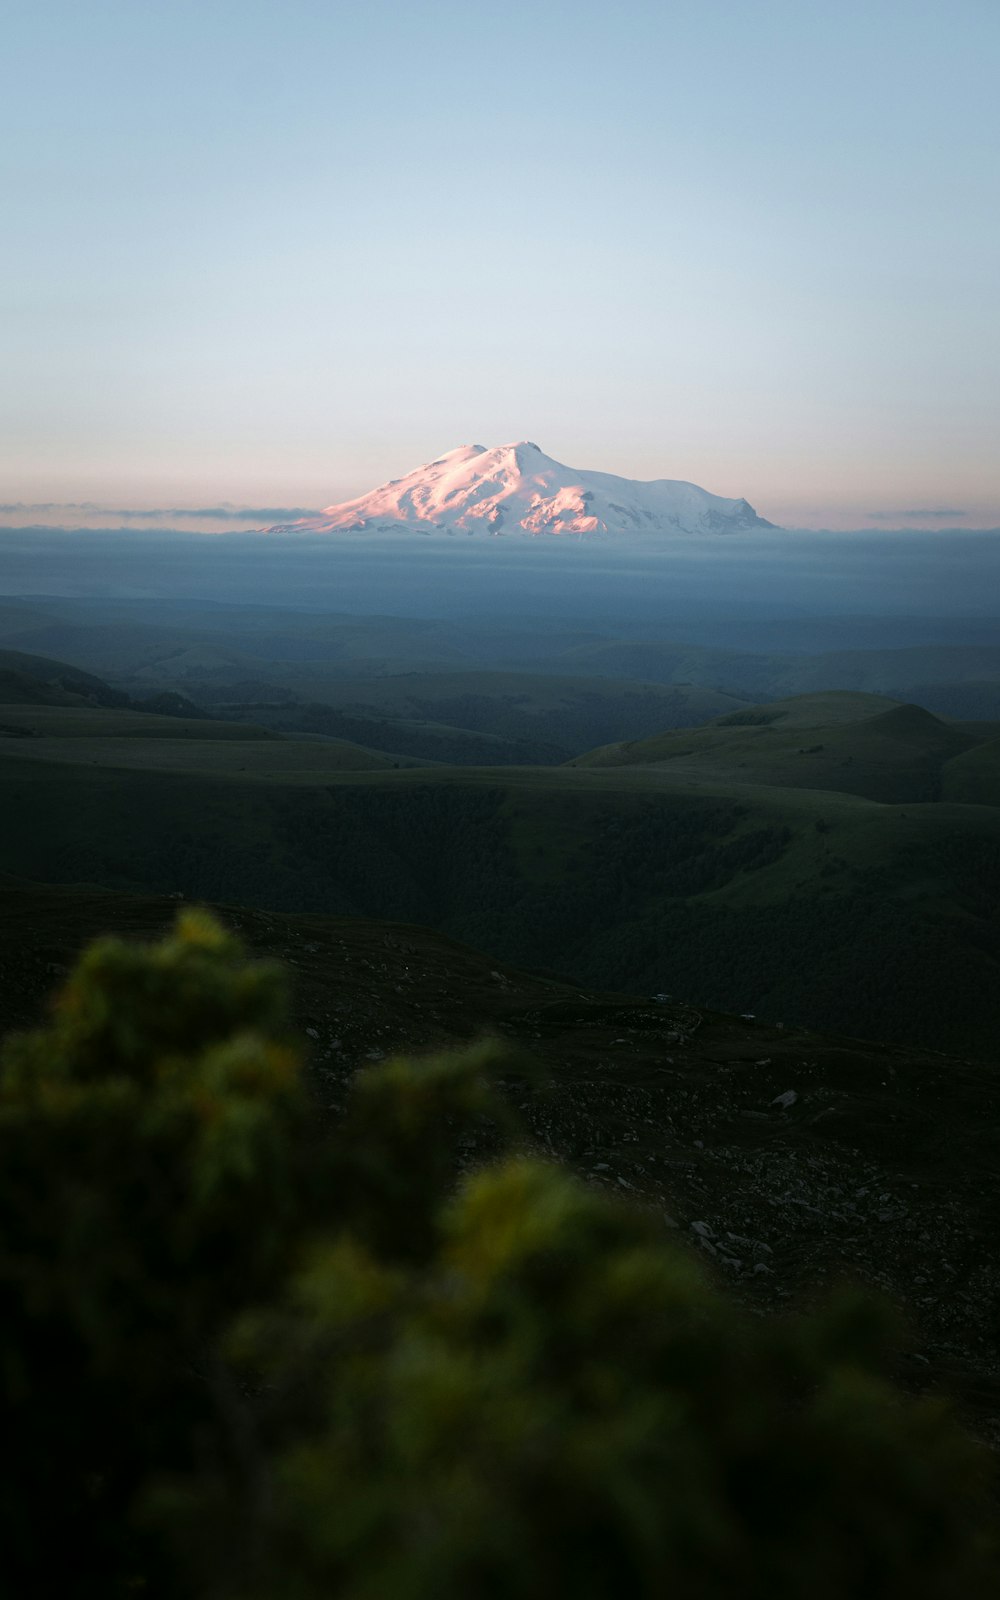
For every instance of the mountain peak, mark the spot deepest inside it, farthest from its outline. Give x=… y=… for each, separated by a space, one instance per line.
x=516 y=489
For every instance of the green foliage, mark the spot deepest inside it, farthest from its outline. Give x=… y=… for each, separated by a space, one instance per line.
x=150 y=1186
x=243 y=1360
x=559 y=1405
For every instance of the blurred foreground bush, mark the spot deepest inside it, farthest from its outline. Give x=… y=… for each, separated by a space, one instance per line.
x=244 y=1358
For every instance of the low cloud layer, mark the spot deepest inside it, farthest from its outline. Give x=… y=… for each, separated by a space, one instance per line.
x=766 y=574
x=921 y=514
x=74 y=513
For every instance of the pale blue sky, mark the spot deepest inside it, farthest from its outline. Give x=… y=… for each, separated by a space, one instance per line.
x=274 y=253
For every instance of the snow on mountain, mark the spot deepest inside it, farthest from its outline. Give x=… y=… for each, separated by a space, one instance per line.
x=517 y=489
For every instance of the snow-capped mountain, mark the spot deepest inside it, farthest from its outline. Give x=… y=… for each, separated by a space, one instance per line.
x=515 y=489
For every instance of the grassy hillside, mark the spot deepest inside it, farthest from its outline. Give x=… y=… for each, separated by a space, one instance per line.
x=421 y=737
x=101 y=722
x=119 y=740
x=31 y=680
x=851 y=743
x=526 y=717
x=38 y=680
x=744 y=864
x=974 y=778
x=806 y=906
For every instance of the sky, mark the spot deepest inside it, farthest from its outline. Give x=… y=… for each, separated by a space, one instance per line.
x=268 y=254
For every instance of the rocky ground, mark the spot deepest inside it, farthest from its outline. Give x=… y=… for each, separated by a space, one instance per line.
x=786 y=1159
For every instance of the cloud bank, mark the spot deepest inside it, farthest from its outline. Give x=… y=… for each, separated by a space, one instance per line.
x=86 y=513
x=921 y=514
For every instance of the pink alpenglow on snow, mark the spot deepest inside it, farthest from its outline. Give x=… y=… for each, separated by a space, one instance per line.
x=515 y=489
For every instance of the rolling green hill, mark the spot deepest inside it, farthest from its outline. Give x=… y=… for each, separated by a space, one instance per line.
x=104 y=722
x=852 y=743
x=830 y=860
x=424 y=738
x=58 y=714
x=37 y=680
x=973 y=779
x=122 y=739
x=808 y=906
x=30 y=680
x=473 y=718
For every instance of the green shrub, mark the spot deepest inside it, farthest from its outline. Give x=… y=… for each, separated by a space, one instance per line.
x=244 y=1359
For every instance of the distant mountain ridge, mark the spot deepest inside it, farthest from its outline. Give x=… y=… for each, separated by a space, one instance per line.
x=39 y=680
x=30 y=680
x=517 y=489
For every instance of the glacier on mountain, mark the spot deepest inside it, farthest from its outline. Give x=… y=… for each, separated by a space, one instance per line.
x=515 y=489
